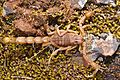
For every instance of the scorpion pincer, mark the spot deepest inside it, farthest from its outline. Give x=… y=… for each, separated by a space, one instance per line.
x=63 y=40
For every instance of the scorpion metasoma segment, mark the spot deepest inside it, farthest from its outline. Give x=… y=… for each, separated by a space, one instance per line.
x=63 y=40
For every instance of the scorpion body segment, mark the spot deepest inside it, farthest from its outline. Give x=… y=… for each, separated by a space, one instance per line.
x=22 y=40
x=69 y=39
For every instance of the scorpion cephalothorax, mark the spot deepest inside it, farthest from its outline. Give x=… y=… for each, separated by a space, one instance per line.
x=62 y=39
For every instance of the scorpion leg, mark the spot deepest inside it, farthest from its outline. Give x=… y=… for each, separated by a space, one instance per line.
x=63 y=33
x=70 y=49
x=56 y=51
x=45 y=44
x=87 y=25
x=51 y=33
x=81 y=28
x=66 y=31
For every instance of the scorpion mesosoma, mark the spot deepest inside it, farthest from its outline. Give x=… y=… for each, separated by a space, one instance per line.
x=63 y=40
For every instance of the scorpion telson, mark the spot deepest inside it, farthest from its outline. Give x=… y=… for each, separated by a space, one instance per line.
x=63 y=40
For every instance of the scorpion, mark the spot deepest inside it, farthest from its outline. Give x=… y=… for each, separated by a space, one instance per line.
x=63 y=40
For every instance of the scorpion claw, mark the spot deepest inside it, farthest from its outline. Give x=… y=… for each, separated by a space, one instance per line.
x=94 y=65
x=97 y=68
x=92 y=75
